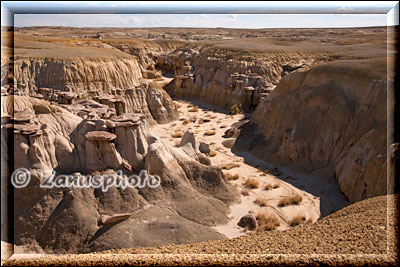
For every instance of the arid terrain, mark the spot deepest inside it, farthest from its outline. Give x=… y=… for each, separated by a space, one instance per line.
x=267 y=141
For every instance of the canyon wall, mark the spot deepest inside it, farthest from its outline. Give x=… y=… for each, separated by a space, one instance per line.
x=116 y=82
x=329 y=121
x=225 y=78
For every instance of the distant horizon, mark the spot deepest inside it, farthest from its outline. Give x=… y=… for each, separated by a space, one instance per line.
x=176 y=27
x=201 y=14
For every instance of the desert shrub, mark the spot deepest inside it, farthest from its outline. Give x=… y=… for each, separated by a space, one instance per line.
x=262 y=202
x=228 y=166
x=268 y=187
x=177 y=134
x=271 y=186
x=235 y=109
x=267 y=222
x=251 y=183
x=209 y=133
x=299 y=219
x=212 y=153
x=193 y=109
x=230 y=176
x=186 y=121
x=245 y=192
x=290 y=200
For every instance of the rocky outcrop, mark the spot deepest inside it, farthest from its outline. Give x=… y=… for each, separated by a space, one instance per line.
x=329 y=121
x=225 y=78
x=112 y=81
x=49 y=138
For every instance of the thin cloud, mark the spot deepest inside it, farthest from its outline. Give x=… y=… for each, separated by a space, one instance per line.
x=346 y=9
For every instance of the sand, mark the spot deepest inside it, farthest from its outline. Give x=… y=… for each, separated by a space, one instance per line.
x=310 y=204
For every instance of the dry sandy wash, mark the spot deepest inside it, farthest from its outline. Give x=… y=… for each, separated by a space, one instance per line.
x=267 y=142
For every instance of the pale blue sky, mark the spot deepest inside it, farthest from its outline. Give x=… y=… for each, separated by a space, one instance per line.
x=201 y=20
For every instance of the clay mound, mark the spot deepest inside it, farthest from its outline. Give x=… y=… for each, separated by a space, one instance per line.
x=367 y=227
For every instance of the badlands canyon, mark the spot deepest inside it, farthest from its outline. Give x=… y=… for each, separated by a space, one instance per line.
x=256 y=135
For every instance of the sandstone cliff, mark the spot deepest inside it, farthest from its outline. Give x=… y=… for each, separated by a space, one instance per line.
x=225 y=77
x=329 y=121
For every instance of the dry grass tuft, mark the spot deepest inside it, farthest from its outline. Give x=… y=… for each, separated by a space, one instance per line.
x=299 y=219
x=209 y=132
x=177 y=134
x=212 y=153
x=186 y=121
x=230 y=176
x=271 y=186
x=193 y=109
x=245 y=192
x=268 y=187
x=267 y=222
x=262 y=202
x=228 y=166
x=290 y=200
x=251 y=183
x=193 y=118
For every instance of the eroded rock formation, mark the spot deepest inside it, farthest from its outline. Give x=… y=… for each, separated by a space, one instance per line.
x=226 y=78
x=329 y=121
x=192 y=195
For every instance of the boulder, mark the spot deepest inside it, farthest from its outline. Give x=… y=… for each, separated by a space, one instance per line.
x=231 y=132
x=204 y=147
x=248 y=221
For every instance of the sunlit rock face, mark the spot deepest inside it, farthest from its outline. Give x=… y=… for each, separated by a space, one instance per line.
x=329 y=121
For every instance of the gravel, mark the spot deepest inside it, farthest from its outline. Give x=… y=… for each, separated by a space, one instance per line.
x=362 y=233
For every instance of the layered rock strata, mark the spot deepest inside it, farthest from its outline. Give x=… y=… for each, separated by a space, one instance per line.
x=329 y=121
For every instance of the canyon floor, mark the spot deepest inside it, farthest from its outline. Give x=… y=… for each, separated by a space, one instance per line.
x=244 y=165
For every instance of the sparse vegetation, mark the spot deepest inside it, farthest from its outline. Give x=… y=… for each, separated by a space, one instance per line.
x=251 y=183
x=228 y=166
x=186 y=121
x=177 y=134
x=193 y=109
x=267 y=222
x=245 y=192
x=209 y=133
x=212 y=153
x=271 y=186
x=230 y=176
x=268 y=187
x=235 y=109
x=299 y=219
x=290 y=200
x=262 y=202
